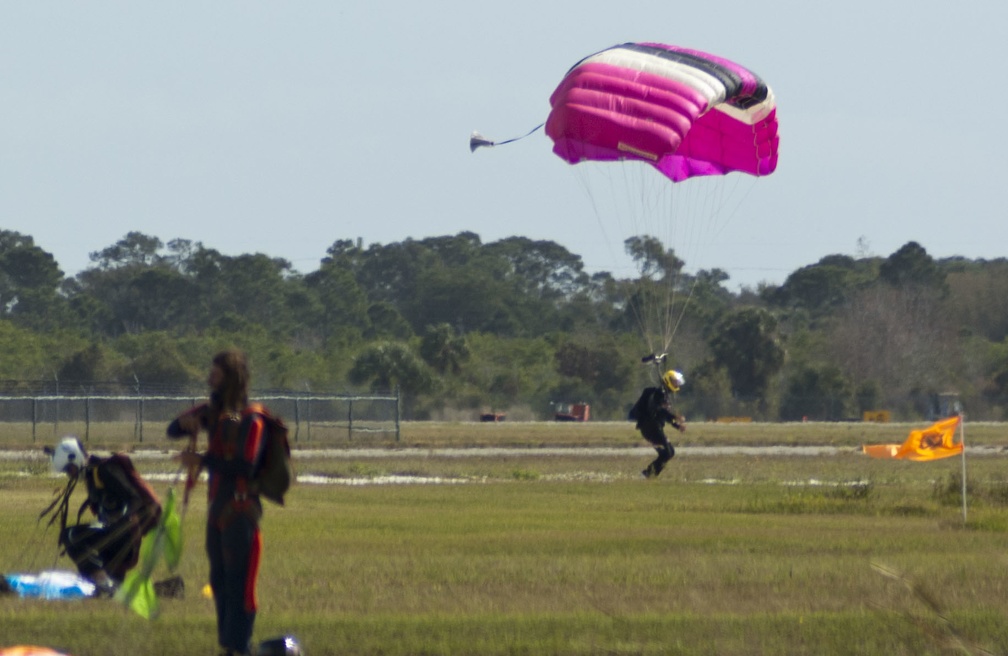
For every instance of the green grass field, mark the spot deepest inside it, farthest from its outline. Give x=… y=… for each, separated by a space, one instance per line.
x=575 y=554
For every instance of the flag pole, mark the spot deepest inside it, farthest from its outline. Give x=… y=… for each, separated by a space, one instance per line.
x=962 y=441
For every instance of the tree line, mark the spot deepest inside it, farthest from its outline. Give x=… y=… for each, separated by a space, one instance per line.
x=515 y=326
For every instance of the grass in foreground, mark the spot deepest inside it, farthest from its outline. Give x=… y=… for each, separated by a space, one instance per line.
x=565 y=555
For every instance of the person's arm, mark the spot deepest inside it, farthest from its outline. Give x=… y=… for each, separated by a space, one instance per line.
x=189 y=423
x=676 y=421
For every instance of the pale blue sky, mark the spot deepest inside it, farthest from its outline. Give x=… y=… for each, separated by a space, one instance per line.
x=282 y=127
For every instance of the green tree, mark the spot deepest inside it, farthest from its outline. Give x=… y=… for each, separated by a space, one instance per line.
x=385 y=366
x=821 y=287
x=344 y=304
x=745 y=343
x=95 y=362
x=652 y=258
x=135 y=249
x=443 y=349
x=978 y=295
x=540 y=269
x=27 y=354
x=154 y=358
x=386 y=323
x=818 y=393
x=29 y=282
x=911 y=265
x=599 y=363
x=897 y=336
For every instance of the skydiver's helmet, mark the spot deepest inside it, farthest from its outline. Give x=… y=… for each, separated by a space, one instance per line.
x=672 y=380
x=283 y=646
x=68 y=452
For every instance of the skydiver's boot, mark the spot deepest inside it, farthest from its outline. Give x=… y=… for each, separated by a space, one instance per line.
x=104 y=585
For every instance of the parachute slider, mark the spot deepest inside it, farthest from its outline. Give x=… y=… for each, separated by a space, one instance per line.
x=657 y=358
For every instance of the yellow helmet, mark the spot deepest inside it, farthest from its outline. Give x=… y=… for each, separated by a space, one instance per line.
x=673 y=380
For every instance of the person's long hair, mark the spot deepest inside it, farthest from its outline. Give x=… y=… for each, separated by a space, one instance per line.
x=232 y=395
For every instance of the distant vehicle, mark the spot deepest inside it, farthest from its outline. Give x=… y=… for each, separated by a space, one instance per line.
x=572 y=412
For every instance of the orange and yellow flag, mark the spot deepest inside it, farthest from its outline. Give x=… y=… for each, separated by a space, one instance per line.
x=934 y=442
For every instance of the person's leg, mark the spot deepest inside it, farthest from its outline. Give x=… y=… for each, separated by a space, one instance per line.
x=120 y=552
x=215 y=557
x=654 y=434
x=242 y=547
x=89 y=547
x=665 y=453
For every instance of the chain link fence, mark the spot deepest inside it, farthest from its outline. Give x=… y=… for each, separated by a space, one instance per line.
x=314 y=419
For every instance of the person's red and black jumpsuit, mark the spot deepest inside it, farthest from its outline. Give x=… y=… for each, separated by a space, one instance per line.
x=233 y=538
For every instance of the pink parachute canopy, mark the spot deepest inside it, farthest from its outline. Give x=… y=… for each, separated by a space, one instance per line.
x=685 y=112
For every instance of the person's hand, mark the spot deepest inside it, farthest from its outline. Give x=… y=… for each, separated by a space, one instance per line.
x=682 y=428
x=189 y=459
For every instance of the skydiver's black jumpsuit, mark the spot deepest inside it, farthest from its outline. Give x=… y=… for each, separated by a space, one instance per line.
x=126 y=508
x=651 y=412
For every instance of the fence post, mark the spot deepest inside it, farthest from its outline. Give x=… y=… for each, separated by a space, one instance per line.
x=34 y=416
x=308 y=419
x=87 y=419
x=56 y=425
x=349 y=432
x=397 y=411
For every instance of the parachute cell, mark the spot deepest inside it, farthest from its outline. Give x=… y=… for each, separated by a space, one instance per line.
x=685 y=112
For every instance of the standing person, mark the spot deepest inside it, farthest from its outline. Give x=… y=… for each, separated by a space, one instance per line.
x=123 y=503
x=652 y=411
x=233 y=538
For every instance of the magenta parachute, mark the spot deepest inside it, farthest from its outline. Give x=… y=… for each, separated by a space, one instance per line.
x=685 y=112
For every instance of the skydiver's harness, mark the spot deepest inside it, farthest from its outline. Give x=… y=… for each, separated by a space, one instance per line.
x=226 y=438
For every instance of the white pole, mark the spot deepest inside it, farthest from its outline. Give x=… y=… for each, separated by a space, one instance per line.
x=962 y=440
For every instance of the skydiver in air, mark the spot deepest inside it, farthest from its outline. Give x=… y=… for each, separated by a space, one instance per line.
x=651 y=412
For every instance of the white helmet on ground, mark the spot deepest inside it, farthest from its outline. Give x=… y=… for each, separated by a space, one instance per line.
x=68 y=452
x=283 y=646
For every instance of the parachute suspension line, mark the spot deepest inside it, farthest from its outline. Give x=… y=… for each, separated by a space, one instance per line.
x=645 y=204
x=715 y=203
x=632 y=200
x=611 y=207
x=609 y=203
x=477 y=140
x=590 y=193
x=641 y=203
x=677 y=224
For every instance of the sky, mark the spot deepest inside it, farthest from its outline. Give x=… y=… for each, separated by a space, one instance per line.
x=280 y=128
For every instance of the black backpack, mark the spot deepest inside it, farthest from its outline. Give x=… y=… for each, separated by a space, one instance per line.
x=275 y=472
x=647 y=406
